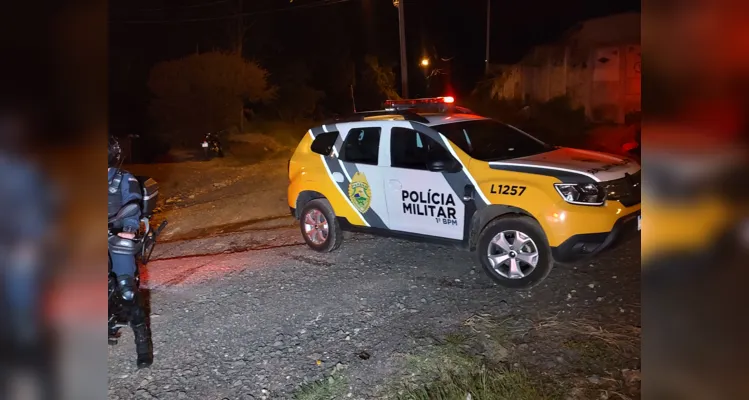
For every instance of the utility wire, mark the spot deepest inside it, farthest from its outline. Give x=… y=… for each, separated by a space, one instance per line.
x=234 y=16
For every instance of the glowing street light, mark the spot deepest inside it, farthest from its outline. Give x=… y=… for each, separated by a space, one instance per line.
x=424 y=62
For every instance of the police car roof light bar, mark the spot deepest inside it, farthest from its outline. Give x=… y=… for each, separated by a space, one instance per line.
x=423 y=101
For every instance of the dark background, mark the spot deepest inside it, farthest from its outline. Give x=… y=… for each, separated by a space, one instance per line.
x=326 y=36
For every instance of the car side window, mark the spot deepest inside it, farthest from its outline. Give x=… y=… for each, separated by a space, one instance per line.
x=324 y=142
x=413 y=150
x=362 y=146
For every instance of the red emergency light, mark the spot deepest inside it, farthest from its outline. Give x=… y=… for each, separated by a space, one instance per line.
x=431 y=100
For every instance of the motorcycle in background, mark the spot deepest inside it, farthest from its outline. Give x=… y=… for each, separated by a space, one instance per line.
x=212 y=146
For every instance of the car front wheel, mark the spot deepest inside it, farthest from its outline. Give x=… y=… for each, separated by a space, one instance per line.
x=514 y=252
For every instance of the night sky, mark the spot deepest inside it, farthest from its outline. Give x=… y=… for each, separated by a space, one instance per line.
x=319 y=33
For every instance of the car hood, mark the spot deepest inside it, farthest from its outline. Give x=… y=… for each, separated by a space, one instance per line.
x=599 y=166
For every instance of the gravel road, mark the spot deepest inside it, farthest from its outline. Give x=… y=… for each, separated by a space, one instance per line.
x=252 y=321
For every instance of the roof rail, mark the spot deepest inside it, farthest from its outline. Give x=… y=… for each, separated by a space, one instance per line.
x=407 y=115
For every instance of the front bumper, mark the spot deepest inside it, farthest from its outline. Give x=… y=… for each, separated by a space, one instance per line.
x=589 y=244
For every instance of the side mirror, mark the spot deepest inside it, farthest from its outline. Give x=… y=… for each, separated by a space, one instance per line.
x=450 y=165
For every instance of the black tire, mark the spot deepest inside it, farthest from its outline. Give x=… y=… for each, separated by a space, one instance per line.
x=335 y=234
x=529 y=227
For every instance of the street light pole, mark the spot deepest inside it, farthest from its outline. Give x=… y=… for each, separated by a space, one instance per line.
x=404 y=62
x=488 y=24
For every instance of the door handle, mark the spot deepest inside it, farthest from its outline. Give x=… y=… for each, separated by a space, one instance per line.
x=395 y=184
x=468 y=192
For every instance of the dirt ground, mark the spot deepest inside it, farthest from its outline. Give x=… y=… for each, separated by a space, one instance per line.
x=381 y=319
x=241 y=309
x=202 y=198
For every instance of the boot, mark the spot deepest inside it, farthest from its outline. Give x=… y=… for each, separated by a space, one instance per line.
x=141 y=331
x=143 y=345
x=114 y=334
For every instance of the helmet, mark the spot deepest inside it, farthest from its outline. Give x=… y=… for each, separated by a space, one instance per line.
x=115 y=152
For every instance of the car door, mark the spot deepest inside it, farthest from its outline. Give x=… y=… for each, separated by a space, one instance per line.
x=359 y=157
x=422 y=201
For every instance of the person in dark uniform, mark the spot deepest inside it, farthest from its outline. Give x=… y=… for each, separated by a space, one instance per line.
x=124 y=188
x=29 y=207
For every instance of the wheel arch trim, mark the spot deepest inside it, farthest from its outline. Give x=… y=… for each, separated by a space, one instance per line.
x=483 y=217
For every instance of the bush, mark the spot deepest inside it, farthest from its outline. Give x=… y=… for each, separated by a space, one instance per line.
x=205 y=93
x=296 y=100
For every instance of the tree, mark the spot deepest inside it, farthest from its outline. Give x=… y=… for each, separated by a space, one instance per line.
x=205 y=92
x=296 y=99
x=382 y=76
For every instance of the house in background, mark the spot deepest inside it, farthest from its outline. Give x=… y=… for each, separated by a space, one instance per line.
x=596 y=64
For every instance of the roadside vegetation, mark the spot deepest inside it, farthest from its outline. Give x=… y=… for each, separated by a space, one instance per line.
x=491 y=360
x=227 y=94
x=545 y=359
x=332 y=387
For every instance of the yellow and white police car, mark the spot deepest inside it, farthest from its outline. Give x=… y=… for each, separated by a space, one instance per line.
x=429 y=170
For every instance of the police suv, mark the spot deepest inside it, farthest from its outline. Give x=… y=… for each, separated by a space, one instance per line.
x=429 y=170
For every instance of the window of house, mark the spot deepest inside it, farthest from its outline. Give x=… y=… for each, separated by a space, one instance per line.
x=362 y=146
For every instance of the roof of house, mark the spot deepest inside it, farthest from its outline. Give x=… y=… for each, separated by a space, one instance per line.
x=610 y=30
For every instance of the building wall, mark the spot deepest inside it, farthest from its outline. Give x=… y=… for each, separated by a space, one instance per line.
x=605 y=80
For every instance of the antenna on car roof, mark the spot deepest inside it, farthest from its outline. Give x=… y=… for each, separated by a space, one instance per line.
x=353 y=100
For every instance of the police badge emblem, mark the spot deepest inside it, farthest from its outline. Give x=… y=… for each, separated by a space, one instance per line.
x=359 y=192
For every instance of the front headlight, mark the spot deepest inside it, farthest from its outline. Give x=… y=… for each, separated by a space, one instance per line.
x=588 y=194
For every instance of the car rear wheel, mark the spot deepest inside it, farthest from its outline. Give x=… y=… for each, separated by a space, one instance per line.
x=514 y=252
x=320 y=227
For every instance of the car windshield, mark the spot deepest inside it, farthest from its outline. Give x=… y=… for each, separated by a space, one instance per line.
x=489 y=140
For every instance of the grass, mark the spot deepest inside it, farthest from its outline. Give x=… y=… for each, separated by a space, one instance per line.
x=330 y=388
x=442 y=361
x=604 y=350
x=597 y=347
x=463 y=366
x=481 y=384
x=593 y=356
x=622 y=338
x=498 y=331
x=466 y=364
